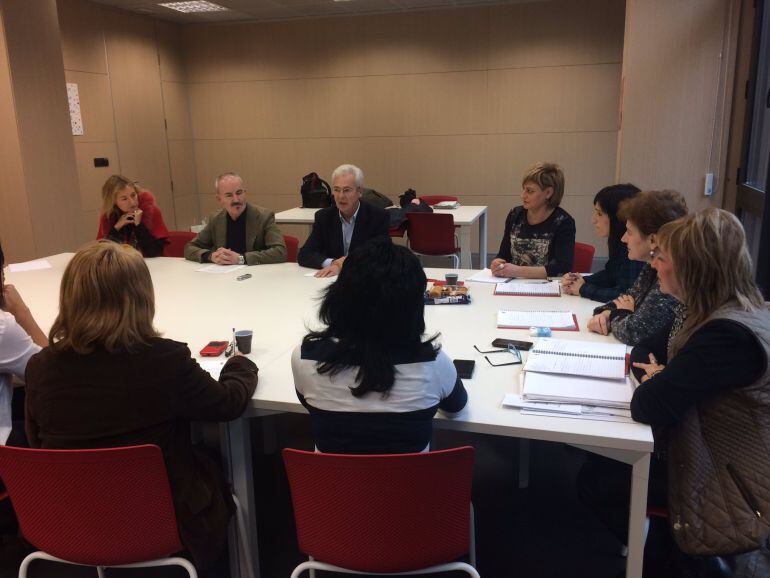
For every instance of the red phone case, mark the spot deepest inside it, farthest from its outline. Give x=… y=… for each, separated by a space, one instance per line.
x=214 y=348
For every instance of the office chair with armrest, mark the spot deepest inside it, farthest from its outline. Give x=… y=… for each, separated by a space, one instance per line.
x=433 y=234
x=584 y=258
x=176 y=242
x=98 y=507
x=383 y=514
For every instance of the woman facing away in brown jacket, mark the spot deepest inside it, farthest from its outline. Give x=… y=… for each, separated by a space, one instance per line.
x=108 y=379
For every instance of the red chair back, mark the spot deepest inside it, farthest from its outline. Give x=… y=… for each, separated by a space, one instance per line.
x=382 y=513
x=292 y=246
x=431 y=233
x=584 y=258
x=433 y=199
x=96 y=507
x=176 y=242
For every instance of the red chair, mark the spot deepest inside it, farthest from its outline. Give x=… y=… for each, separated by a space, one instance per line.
x=584 y=258
x=433 y=199
x=433 y=234
x=383 y=514
x=102 y=507
x=176 y=242
x=292 y=246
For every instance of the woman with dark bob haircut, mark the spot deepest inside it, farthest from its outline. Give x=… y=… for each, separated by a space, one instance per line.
x=370 y=381
x=108 y=379
x=644 y=311
x=620 y=272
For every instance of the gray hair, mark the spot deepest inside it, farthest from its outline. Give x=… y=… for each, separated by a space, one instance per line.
x=223 y=176
x=357 y=173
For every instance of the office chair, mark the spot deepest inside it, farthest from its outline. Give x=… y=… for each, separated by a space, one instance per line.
x=383 y=514
x=433 y=234
x=292 y=246
x=97 y=507
x=176 y=242
x=584 y=258
x=433 y=199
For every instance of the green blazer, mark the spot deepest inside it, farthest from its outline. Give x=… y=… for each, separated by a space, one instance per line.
x=264 y=240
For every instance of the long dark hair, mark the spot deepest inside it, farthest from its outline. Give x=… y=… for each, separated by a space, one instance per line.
x=609 y=199
x=373 y=312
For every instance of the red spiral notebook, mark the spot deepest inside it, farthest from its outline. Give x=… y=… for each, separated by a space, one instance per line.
x=529 y=289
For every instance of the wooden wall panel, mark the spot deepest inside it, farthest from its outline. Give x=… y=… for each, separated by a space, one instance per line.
x=138 y=103
x=671 y=102
x=82 y=36
x=42 y=117
x=95 y=106
x=92 y=178
x=16 y=233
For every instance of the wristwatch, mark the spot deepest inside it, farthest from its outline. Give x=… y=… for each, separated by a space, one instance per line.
x=241 y=260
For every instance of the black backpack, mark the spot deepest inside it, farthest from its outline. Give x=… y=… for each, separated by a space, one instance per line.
x=406 y=203
x=316 y=192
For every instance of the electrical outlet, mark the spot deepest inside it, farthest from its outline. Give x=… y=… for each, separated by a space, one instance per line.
x=708 y=186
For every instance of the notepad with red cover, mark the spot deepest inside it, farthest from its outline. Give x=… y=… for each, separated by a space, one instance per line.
x=555 y=320
x=529 y=289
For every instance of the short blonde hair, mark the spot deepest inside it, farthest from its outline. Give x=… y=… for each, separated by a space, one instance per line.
x=546 y=175
x=712 y=266
x=110 y=190
x=106 y=300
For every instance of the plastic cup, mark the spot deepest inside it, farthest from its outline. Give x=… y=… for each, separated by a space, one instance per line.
x=243 y=340
x=451 y=279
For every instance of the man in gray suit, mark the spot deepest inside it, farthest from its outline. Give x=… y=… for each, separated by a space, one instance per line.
x=239 y=234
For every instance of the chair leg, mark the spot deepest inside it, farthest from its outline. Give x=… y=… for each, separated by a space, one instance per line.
x=100 y=571
x=472 y=545
x=241 y=520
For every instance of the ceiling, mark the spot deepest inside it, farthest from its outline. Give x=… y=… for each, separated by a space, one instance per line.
x=289 y=9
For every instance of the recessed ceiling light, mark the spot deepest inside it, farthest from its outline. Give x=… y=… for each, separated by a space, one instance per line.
x=199 y=6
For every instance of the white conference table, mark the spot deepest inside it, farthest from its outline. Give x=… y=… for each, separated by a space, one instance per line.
x=464 y=217
x=279 y=302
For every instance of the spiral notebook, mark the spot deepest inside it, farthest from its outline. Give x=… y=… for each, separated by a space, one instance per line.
x=583 y=358
x=529 y=288
x=556 y=320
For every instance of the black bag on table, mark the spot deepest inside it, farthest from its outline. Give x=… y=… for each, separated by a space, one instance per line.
x=316 y=192
x=406 y=202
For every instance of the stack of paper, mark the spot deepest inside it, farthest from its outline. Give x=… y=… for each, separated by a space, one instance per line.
x=577 y=372
x=447 y=205
x=567 y=410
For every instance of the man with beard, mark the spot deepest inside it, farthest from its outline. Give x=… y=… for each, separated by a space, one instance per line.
x=239 y=234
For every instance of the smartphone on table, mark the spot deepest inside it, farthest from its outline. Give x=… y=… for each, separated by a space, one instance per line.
x=214 y=348
x=504 y=343
x=464 y=368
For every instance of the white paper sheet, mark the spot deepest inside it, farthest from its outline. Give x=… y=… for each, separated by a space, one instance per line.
x=485 y=276
x=35 y=265
x=213 y=366
x=220 y=269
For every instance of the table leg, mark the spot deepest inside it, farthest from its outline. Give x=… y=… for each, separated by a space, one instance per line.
x=637 y=516
x=465 y=247
x=483 y=240
x=236 y=450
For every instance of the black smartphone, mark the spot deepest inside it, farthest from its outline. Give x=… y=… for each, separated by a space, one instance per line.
x=523 y=345
x=464 y=368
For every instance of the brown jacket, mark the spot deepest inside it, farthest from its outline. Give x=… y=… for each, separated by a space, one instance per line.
x=264 y=241
x=719 y=462
x=145 y=397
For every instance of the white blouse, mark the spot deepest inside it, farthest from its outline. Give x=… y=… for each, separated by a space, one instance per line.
x=16 y=347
